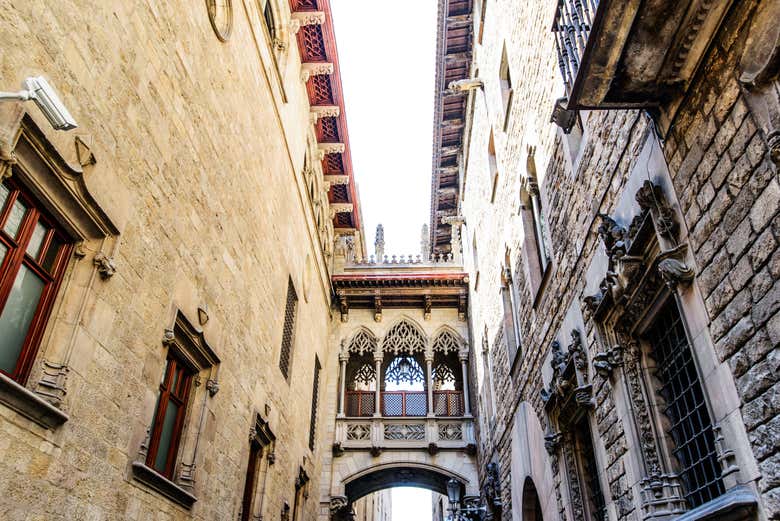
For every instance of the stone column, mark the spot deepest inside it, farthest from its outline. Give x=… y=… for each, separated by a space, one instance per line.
x=343 y=383
x=429 y=382
x=378 y=395
x=464 y=358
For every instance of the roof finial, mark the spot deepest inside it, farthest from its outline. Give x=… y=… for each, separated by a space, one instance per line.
x=425 y=243
x=379 y=242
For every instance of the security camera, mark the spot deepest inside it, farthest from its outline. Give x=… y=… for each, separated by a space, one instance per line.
x=43 y=94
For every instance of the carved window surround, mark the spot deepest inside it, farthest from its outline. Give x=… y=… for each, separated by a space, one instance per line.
x=647 y=264
x=36 y=159
x=190 y=345
x=568 y=401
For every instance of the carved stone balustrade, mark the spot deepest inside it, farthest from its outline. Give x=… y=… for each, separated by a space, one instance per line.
x=430 y=434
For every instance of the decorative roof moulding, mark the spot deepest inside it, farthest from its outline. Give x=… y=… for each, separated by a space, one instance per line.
x=310 y=69
x=453 y=59
x=324 y=111
x=304 y=18
x=318 y=51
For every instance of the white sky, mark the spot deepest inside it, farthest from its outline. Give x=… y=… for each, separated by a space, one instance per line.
x=387 y=61
x=411 y=504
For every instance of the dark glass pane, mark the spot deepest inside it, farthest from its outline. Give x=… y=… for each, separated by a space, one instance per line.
x=166 y=437
x=175 y=380
x=15 y=218
x=36 y=240
x=17 y=315
x=51 y=254
x=4 y=191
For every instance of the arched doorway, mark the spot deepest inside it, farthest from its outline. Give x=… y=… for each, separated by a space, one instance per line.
x=532 y=509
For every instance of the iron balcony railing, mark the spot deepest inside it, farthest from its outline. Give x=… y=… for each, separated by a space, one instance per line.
x=572 y=25
x=404 y=403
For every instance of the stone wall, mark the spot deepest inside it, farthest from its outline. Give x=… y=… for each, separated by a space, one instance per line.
x=728 y=189
x=199 y=148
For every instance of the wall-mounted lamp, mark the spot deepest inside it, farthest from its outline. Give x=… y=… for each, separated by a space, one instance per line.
x=43 y=94
x=471 y=511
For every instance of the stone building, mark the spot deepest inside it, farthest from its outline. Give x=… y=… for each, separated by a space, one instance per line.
x=191 y=326
x=153 y=359
x=612 y=170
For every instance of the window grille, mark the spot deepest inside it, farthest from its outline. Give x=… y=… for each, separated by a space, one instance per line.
x=289 y=329
x=314 y=401
x=691 y=427
x=320 y=90
x=313 y=43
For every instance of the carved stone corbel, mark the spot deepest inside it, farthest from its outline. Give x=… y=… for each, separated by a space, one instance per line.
x=427 y=303
x=105 y=265
x=760 y=66
x=51 y=385
x=344 y=308
x=604 y=363
x=673 y=269
x=377 y=309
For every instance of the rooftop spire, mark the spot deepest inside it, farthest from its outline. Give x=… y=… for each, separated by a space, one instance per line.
x=379 y=243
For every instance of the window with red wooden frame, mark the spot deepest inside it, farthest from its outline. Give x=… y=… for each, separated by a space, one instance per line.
x=168 y=422
x=33 y=257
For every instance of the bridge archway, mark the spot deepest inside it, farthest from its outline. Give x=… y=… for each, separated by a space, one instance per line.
x=403 y=474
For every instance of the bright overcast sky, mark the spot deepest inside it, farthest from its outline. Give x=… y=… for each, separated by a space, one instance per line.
x=387 y=59
x=411 y=504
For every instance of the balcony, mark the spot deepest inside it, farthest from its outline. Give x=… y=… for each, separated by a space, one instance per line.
x=404 y=403
x=617 y=54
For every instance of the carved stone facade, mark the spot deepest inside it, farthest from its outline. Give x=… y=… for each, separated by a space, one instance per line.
x=637 y=212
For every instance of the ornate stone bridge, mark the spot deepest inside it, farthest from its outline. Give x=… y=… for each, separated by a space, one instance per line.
x=401 y=412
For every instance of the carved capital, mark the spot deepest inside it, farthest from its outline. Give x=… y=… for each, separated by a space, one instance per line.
x=212 y=386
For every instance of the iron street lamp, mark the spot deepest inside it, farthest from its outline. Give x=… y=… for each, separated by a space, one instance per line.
x=470 y=512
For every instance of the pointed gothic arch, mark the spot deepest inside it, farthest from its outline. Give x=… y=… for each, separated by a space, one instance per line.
x=404 y=336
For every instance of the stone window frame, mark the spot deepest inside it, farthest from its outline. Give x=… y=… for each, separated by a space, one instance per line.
x=505 y=84
x=35 y=158
x=511 y=322
x=314 y=403
x=189 y=345
x=289 y=326
x=536 y=249
x=648 y=263
x=262 y=445
x=16 y=258
x=568 y=402
x=277 y=45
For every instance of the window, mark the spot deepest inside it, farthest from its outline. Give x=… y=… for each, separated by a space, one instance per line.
x=535 y=251
x=589 y=471
x=169 y=416
x=301 y=493
x=505 y=81
x=492 y=166
x=509 y=301
x=482 y=22
x=684 y=405
x=314 y=403
x=261 y=441
x=475 y=259
x=288 y=331
x=33 y=257
x=268 y=17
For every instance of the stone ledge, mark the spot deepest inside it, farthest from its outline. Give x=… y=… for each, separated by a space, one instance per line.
x=29 y=404
x=736 y=503
x=152 y=479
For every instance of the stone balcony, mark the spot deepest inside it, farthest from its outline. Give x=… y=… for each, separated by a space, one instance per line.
x=410 y=433
x=617 y=54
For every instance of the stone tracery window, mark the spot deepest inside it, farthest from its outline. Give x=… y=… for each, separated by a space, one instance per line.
x=404 y=369
x=404 y=337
